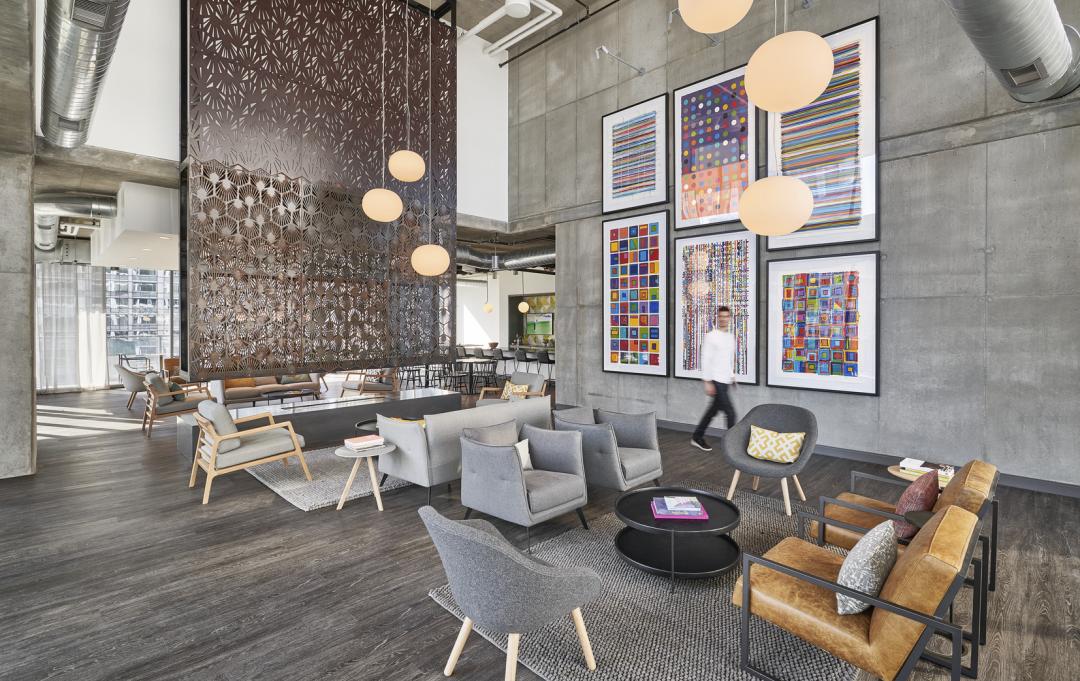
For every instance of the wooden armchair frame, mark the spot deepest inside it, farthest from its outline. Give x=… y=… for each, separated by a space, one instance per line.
x=392 y=374
x=150 y=414
x=497 y=392
x=209 y=438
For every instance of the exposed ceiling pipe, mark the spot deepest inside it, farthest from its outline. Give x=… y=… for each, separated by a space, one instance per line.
x=80 y=38
x=548 y=14
x=1033 y=54
x=48 y=208
x=522 y=260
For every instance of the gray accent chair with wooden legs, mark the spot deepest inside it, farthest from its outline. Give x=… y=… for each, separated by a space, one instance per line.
x=780 y=418
x=162 y=402
x=621 y=451
x=494 y=482
x=133 y=382
x=503 y=591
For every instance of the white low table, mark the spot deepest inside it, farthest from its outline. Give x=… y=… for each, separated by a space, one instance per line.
x=369 y=454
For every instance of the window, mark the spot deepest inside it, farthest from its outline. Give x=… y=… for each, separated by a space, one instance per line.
x=143 y=316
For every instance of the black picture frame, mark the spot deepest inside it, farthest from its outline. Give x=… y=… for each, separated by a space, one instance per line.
x=664 y=138
x=876 y=185
x=665 y=304
x=770 y=264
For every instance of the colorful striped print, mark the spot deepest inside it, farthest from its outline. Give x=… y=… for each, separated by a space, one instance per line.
x=820 y=144
x=633 y=154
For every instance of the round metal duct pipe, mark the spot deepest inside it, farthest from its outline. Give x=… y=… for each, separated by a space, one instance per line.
x=49 y=207
x=522 y=260
x=46 y=232
x=1033 y=54
x=80 y=38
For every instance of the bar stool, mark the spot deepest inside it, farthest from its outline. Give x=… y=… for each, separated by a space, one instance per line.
x=498 y=356
x=410 y=377
x=522 y=356
x=484 y=376
x=543 y=358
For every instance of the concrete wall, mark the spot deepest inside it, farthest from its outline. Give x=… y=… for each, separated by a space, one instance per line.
x=980 y=231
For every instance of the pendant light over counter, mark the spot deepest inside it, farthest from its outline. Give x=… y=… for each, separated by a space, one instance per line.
x=713 y=16
x=381 y=204
x=428 y=260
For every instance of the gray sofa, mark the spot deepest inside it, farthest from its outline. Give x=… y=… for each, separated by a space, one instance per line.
x=494 y=482
x=430 y=455
x=239 y=390
x=505 y=591
x=621 y=451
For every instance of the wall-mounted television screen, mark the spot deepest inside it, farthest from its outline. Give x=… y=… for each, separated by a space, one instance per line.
x=539 y=324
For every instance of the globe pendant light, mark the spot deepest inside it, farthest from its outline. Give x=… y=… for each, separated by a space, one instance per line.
x=776 y=205
x=405 y=164
x=523 y=306
x=381 y=204
x=488 y=307
x=713 y=16
x=430 y=260
x=789 y=71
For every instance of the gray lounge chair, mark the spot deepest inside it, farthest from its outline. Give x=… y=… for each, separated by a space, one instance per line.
x=133 y=382
x=494 y=482
x=780 y=418
x=504 y=591
x=621 y=451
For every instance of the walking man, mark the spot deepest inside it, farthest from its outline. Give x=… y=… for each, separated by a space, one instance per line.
x=718 y=374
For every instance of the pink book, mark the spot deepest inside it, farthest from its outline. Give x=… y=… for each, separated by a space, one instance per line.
x=667 y=516
x=364 y=441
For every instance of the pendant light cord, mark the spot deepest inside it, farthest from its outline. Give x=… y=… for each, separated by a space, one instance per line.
x=430 y=132
x=382 y=92
x=408 y=91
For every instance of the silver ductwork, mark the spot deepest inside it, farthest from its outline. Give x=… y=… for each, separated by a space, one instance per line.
x=522 y=260
x=48 y=208
x=80 y=38
x=1033 y=54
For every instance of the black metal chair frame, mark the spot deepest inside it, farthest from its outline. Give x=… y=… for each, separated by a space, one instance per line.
x=935 y=625
x=483 y=372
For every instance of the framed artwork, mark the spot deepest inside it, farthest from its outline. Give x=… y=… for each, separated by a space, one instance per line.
x=823 y=323
x=635 y=156
x=832 y=145
x=635 y=288
x=715 y=142
x=710 y=271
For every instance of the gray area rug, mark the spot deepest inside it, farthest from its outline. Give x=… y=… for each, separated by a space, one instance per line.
x=641 y=632
x=329 y=472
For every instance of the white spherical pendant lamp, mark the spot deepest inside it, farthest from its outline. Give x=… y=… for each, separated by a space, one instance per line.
x=789 y=71
x=406 y=165
x=713 y=16
x=382 y=205
x=523 y=307
x=775 y=206
x=430 y=260
x=489 y=308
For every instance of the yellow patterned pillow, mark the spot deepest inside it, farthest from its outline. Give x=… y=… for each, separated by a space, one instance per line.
x=776 y=447
x=514 y=392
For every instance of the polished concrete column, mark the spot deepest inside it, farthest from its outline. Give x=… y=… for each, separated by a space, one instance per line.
x=18 y=453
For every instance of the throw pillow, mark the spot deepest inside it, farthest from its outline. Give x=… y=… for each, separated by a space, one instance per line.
x=866 y=567
x=174 y=387
x=514 y=392
x=295 y=378
x=523 y=454
x=160 y=387
x=239 y=383
x=769 y=445
x=920 y=495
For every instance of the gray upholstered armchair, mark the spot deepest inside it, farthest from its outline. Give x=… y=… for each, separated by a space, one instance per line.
x=621 y=451
x=780 y=418
x=504 y=591
x=133 y=382
x=537 y=388
x=493 y=480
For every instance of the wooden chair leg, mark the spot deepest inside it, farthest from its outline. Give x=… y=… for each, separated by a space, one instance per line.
x=787 y=499
x=206 y=490
x=459 y=645
x=798 y=487
x=511 y=657
x=131 y=400
x=755 y=482
x=734 y=482
x=194 y=468
x=583 y=638
x=307 y=473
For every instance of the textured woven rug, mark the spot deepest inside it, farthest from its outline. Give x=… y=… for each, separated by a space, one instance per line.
x=329 y=472
x=641 y=632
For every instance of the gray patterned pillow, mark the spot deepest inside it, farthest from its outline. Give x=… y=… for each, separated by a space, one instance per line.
x=866 y=567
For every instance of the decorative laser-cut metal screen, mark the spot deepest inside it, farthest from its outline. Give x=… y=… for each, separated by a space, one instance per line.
x=281 y=269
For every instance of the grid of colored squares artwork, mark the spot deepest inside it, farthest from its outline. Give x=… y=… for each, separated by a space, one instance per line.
x=633 y=156
x=820 y=144
x=821 y=323
x=635 y=276
x=714 y=273
x=714 y=150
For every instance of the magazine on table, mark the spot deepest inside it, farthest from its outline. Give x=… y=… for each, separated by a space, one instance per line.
x=945 y=471
x=678 y=508
x=364 y=442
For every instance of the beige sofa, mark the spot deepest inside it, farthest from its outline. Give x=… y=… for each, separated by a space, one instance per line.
x=233 y=390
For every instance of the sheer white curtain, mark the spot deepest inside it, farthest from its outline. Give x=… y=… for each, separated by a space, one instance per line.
x=70 y=314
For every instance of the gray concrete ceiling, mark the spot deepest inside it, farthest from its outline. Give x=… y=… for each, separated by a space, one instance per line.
x=96 y=170
x=470 y=12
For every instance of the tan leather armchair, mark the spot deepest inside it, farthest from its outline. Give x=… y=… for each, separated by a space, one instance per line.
x=794 y=587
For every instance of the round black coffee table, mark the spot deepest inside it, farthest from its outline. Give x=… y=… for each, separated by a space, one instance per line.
x=690 y=549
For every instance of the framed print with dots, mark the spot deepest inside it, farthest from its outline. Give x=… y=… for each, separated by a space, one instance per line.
x=635 y=155
x=636 y=294
x=715 y=142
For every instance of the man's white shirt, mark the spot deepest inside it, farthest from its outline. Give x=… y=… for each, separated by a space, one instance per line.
x=718 y=356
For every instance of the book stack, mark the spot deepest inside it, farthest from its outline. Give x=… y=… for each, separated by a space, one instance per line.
x=362 y=442
x=916 y=467
x=678 y=508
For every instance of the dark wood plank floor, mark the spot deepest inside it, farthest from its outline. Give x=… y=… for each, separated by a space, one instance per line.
x=110 y=568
